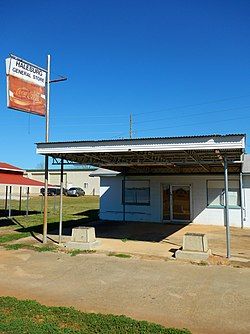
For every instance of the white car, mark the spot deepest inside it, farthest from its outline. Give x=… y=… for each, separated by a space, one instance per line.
x=75 y=191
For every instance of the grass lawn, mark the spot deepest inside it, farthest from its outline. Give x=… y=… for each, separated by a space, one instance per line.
x=30 y=317
x=76 y=211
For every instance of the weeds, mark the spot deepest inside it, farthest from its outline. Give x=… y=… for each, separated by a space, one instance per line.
x=13 y=236
x=122 y=255
x=28 y=316
x=75 y=252
x=47 y=248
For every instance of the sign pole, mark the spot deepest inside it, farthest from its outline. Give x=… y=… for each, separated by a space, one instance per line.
x=46 y=161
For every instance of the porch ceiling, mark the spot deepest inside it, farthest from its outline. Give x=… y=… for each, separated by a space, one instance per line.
x=158 y=162
x=186 y=155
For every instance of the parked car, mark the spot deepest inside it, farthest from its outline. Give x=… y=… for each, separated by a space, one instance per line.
x=53 y=191
x=75 y=191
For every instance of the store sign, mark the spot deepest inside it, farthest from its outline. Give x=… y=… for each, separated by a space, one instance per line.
x=26 y=86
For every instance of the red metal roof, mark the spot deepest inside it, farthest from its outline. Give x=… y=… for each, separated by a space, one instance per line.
x=5 y=166
x=18 y=179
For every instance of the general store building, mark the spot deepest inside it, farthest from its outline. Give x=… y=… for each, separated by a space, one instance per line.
x=194 y=179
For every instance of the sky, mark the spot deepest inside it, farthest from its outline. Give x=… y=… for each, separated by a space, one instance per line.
x=177 y=67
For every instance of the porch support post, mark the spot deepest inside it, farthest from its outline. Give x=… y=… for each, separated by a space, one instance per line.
x=226 y=215
x=241 y=201
x=27 y=202
x=123 y=199
x=10 y=201
x=20 y=199
x=45 y=210
x=61 y=204
x=6 y=198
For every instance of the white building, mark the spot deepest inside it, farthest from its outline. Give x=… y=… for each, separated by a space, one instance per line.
x=194 y=179
x=75 y=177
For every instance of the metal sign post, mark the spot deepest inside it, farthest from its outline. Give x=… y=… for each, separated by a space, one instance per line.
x=46 y=160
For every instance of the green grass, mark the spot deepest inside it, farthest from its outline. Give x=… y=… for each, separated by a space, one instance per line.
x=13 y=236
x=124 y=239
x=122 y=255
x=42 y=248
x=30 y=317
x=75 y=252
x=76 y=211
x=15 y=246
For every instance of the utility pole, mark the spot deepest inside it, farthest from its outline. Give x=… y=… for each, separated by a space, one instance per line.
x=130 y=127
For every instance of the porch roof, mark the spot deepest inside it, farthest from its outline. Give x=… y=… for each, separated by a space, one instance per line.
x=174 y=155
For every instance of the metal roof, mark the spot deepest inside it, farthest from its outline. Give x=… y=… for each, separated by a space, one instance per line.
x=104 y=172
x=190 y=154
x=145 y=138
x=9 y=167
x=52 y=170
x=18 y=179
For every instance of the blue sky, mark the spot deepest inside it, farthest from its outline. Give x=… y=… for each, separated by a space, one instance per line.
x=179 y=67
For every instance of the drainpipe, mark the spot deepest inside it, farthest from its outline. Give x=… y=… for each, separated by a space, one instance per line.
x=241 y=201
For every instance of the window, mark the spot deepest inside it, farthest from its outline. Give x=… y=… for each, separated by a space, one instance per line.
x=85 y=185
x=216 y=193
x=136 y=192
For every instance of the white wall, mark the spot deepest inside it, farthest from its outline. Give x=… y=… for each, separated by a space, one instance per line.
x=111 y=207
x=15 y=192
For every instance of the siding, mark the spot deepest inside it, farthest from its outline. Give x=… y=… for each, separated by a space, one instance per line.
x=111 y=207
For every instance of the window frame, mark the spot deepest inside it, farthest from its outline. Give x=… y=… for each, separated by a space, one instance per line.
x=222 y=195
x=136 y=203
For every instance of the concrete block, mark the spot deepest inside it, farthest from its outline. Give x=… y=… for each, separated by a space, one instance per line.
x=195 y=242
x=83 y=234
x=192 y=256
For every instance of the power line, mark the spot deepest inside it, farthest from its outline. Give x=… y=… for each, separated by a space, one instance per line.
x=192 y=105
x=131 y=122
x=194 y=114
x=105 y=115
x=198 y=123
x=74 y=125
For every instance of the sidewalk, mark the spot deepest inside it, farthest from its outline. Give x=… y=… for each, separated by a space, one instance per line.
x=169 y=239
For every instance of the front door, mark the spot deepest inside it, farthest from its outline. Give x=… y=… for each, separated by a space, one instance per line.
x=176 y=203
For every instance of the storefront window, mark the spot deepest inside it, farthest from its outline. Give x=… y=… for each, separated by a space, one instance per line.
x=136 y=192
x=216 y=193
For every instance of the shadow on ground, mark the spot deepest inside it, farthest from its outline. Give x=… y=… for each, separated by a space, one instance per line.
x=15 y=213
x=89 y=215
x=125 y=231
x=140 y=231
